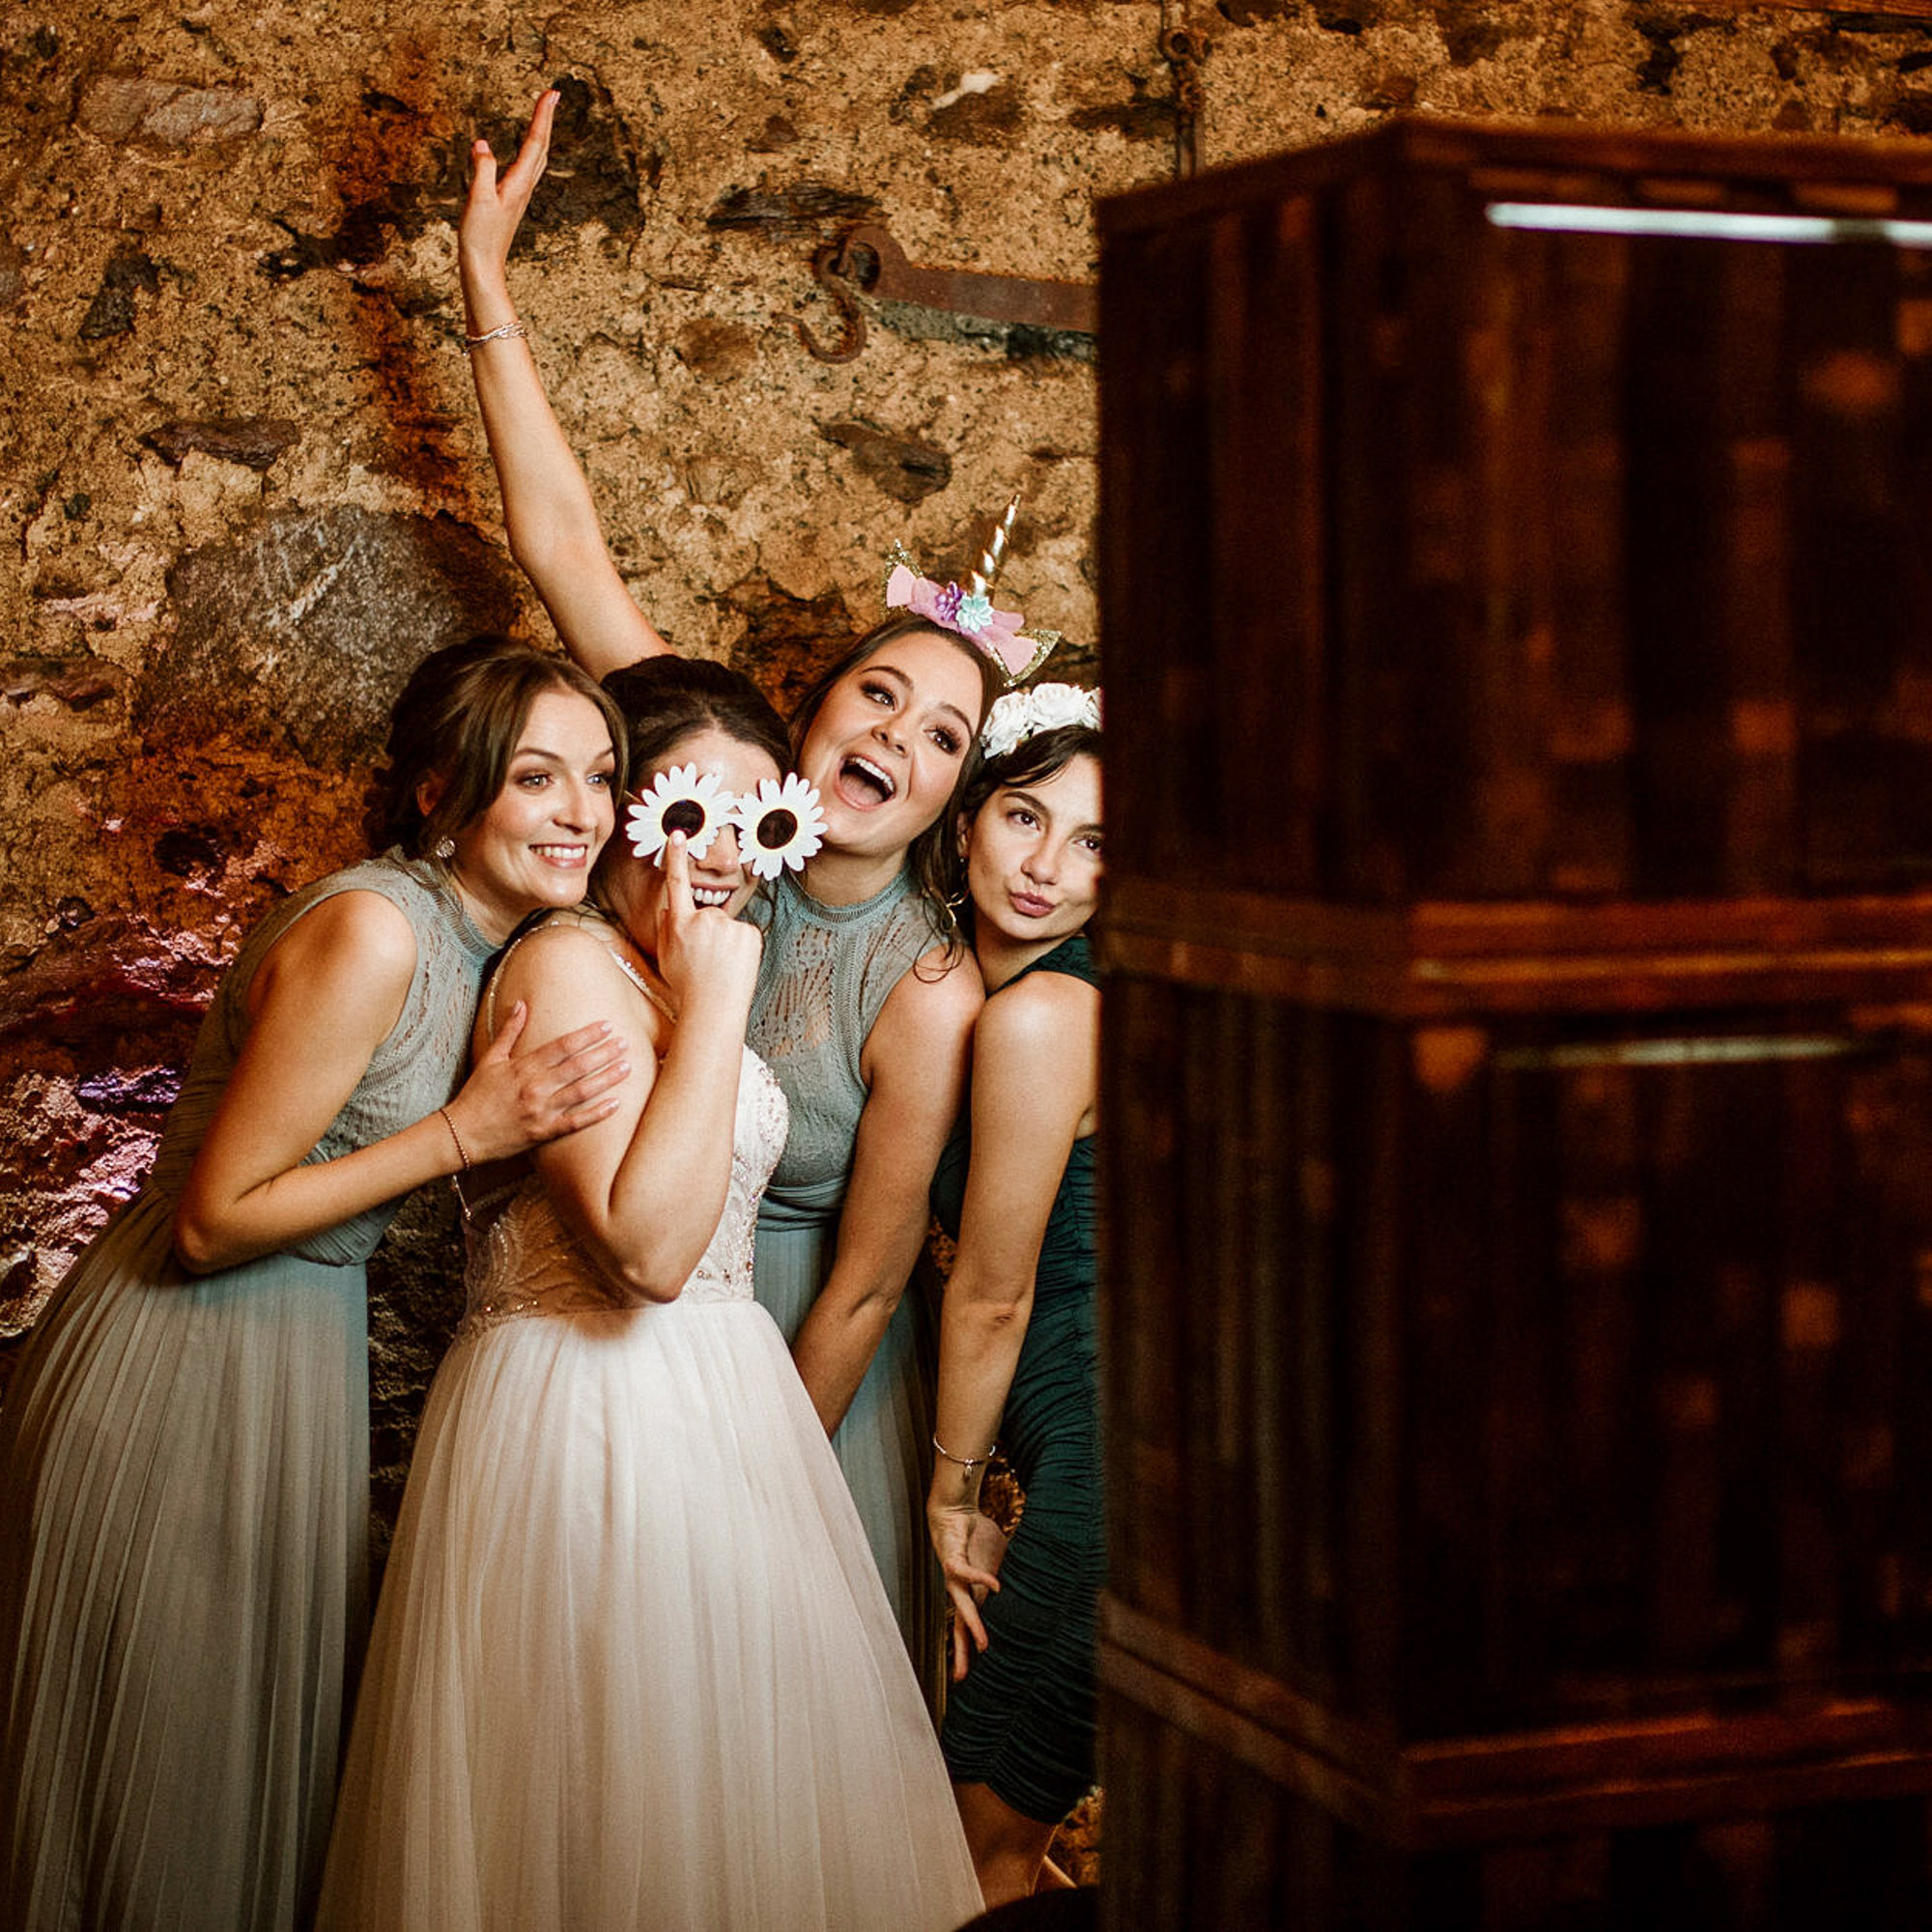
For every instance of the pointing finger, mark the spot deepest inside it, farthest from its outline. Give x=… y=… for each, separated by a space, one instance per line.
x=677 y=875
x=535 y=150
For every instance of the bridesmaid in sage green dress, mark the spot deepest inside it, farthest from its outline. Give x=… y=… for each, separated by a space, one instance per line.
x=865 y=999
x=184 y=1446
x=1017 y=1355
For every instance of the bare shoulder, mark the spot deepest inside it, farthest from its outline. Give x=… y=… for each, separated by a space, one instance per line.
x=1045 y=1015
x=567 y=970
x=356 y=936
x=942 y=989
x=561 y=949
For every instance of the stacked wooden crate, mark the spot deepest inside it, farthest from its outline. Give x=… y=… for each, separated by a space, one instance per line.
x=1516 y=551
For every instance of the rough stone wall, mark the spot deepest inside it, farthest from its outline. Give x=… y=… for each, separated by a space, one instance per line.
x=241 y=487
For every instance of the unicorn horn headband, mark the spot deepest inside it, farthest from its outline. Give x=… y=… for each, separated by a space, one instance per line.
x=1002 y=634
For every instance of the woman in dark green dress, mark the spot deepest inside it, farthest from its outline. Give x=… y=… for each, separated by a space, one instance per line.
x=1016 y=1337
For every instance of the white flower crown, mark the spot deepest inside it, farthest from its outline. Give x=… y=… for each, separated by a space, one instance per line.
x=1020 y=715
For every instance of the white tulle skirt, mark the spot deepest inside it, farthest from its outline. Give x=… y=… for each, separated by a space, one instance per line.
x=632 y=1666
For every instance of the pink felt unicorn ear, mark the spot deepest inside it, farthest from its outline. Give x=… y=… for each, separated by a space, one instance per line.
x=899 y=587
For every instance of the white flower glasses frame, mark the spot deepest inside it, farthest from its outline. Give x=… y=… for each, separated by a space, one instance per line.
x=779 y=825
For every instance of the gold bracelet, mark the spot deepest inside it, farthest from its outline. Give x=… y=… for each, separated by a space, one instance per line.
x=461 y=1155
x=967 y=1463
x=472 y=343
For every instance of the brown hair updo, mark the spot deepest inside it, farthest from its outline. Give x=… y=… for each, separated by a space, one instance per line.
x=664 y=699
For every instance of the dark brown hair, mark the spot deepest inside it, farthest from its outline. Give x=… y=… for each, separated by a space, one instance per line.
x=666 y=699
x=454 y=729
x=1030 y=762
x=931 y=856
x=663 y=701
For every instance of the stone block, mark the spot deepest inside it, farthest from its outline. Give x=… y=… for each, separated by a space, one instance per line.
x=301 y=631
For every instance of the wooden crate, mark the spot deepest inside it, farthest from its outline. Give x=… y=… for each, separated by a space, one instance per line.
x=1541 y=563
x=1517 y=1174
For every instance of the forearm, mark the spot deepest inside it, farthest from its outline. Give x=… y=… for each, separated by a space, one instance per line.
x=980 y=1334
x=549 y=513
x=215 y=1228
x=835 y=1346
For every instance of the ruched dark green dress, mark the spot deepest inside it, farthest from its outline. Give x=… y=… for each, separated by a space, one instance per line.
x=1023 y=1720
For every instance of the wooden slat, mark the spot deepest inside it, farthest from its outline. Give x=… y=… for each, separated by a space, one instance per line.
x=1432 y=961
x=1469 y=1790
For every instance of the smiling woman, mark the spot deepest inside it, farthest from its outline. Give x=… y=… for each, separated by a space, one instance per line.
x=865 y=1001
x=863 y=1011
x=183 y=1452
x=535 y=841
x=623 y=1520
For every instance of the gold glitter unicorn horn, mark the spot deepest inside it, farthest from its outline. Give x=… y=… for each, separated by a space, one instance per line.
x=995 y=552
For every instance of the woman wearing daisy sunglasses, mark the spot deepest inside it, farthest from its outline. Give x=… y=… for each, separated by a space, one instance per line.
x=865 y=1004
x=1017 y=1357
x=633 y=1665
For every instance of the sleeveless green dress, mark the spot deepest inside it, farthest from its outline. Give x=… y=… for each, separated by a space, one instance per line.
x=185 y=1510
x=826 y=973
x=1023 y=1720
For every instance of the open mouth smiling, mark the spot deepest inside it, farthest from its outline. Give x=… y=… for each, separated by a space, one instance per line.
x=865 y=784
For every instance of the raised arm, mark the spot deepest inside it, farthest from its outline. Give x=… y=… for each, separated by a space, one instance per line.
x=548 y=511
x=915 y=1066
x=252 y=1189
x=1034 y=1078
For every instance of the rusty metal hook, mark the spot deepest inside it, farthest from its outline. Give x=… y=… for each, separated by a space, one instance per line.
x=828 y=270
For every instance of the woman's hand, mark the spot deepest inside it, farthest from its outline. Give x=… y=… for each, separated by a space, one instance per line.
x=513 y=1101
x=495 y=206
x=969 y=1546
x=703 y=953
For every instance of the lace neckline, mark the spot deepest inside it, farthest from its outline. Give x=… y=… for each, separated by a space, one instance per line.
x=858 y=911
x=435 y=882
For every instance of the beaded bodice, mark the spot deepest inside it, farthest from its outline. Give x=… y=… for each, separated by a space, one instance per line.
x=524 y=1261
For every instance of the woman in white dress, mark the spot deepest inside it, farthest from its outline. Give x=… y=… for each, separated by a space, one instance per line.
x=865 y=1002
x=632 y=1666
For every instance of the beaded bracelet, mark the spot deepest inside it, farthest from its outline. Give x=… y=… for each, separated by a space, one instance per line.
x=967 y=1463
x=461 y=1155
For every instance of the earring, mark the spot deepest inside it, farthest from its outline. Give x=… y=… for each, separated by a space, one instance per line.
x=445 y=848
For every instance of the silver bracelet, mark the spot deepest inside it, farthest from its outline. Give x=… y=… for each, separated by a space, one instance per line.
x=967 y=1463
x=474 y=342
